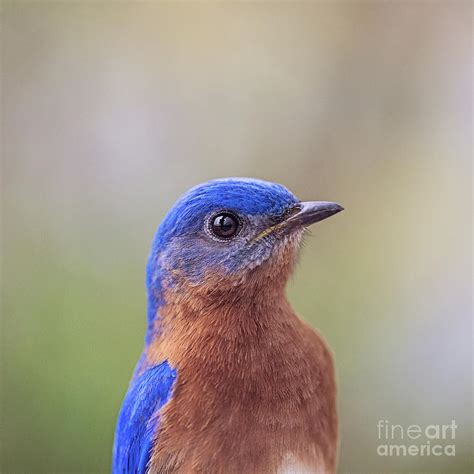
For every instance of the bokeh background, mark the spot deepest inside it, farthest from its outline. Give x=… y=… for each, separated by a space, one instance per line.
x=110 y=110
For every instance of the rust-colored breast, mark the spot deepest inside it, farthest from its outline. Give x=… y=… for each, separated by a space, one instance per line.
x=255 y=391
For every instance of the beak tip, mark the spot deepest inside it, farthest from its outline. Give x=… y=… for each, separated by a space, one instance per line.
x=332 y=208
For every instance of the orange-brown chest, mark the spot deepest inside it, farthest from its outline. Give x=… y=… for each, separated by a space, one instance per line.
x=249 y=395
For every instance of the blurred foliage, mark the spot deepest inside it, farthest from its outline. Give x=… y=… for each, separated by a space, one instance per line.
x=111 y=110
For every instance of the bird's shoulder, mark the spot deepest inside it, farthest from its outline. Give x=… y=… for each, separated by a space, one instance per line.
x=138 y=419
x=314 y=340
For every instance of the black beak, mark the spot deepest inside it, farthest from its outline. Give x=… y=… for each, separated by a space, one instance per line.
x=307 y=213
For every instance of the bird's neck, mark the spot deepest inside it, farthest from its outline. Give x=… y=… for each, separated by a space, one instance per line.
x=224 y=321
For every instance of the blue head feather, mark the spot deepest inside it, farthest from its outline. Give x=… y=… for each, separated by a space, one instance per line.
x=181 y=242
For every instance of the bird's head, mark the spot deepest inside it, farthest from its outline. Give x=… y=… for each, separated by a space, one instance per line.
x=230 y=232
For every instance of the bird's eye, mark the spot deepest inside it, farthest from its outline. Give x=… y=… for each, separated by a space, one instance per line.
x=224 y=225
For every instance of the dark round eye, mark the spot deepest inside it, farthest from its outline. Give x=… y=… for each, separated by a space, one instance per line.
x=224 y=225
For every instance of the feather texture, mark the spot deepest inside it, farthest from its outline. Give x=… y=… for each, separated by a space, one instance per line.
x=138 y=419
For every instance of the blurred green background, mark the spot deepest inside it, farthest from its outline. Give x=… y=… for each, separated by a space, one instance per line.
x=111 y=110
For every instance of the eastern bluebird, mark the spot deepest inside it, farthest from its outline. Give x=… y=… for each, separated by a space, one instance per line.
x=230 y=380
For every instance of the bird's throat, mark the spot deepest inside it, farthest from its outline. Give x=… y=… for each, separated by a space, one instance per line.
x=236 y=321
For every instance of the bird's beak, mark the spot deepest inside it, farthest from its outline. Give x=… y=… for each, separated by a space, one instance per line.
x=302 y=215
x=306 y=213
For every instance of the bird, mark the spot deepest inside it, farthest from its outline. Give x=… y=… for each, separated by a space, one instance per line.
x=231 y=379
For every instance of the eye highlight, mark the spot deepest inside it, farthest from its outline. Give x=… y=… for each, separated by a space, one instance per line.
x=224 y=225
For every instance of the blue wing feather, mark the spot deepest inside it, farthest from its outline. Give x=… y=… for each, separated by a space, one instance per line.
x=137 y=422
